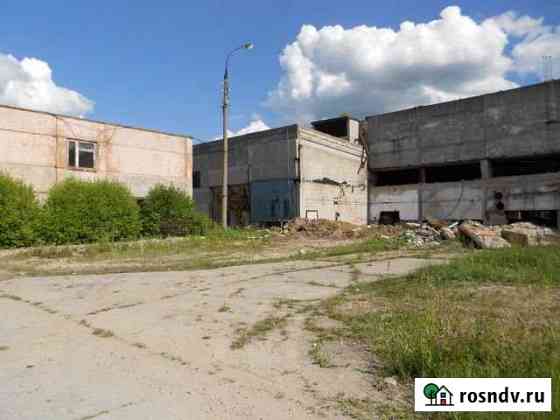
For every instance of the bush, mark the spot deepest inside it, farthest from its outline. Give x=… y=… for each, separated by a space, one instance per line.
x=169 y=211
x=82 y=211
x=19 y=212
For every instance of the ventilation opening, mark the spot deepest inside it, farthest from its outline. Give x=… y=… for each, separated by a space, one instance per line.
x=400 y=177
x=538 y=217
x=526 y=166
x=453 y=173
x=389 y=217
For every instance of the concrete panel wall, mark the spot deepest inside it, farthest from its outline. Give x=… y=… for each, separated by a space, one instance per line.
x=452 y=200
x=402 y=198
x=325 y=160
x=517 y=122
x=265 y=155
x=34 y=147
x=530 y=192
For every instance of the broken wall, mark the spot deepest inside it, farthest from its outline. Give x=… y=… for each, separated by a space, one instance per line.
x=331 y=184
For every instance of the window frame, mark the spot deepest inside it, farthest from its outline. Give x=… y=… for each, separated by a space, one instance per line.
x=77 y=143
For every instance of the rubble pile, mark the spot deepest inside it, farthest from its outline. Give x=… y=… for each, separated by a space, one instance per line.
x=421 y=235
x=427 y=234
x=522 y=233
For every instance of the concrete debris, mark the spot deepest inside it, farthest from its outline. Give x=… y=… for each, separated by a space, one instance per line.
x=420 y=236
x=427 y=234
x=528 y=234
x=483 y=237
x=447 y=234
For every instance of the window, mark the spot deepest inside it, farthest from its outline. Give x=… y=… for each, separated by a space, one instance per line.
x=453 y=173
x=397 y=177
x=196 y=179
x=526 y=166
x=81 y=154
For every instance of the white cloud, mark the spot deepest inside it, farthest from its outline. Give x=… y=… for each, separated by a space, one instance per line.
x=28 y=84
x=256 y=124
x=365 y=69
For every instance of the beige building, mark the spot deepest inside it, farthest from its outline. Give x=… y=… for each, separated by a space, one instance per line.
x=42 y=149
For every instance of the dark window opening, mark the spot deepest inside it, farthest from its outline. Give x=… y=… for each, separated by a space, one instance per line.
x=453 y=173
x=526 y=166
x=538 y=217
x=337 y=127
x=400 y=177
x=389 y=217
x=196 y=179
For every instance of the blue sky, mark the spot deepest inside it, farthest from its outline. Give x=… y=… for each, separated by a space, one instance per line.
x=159 y=64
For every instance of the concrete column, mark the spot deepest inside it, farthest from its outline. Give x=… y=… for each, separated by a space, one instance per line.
x=486 y=172
x=486 y=168
x=422 y=181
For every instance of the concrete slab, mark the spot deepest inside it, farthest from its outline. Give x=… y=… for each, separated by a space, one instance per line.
x=157 y=345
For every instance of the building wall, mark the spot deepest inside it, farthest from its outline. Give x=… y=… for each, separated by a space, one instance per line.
x=33 y=147
x=516 y=124
x=283 y=170
x=330 y=184
x=263 y=162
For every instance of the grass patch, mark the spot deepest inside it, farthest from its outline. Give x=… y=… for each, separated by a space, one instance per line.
x=490 y=314
x=100 y=332
x=318 y=355
x=259 y=330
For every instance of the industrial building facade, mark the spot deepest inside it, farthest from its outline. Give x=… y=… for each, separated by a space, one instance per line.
x=282 y=173
x=494 y=158
x=42 y=149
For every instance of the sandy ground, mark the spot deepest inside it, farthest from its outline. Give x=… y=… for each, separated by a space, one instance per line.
x=157 y=345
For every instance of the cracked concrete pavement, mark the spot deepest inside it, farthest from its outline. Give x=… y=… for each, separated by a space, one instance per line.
x=157 y=345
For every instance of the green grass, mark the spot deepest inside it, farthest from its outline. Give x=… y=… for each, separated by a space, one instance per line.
x=258 y=330
x=490 y=314
x=221 y=248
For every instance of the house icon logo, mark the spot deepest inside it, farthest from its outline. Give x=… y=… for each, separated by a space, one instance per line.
x=439 y=396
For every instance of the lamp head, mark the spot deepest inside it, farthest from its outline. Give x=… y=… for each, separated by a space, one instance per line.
x=248 y=46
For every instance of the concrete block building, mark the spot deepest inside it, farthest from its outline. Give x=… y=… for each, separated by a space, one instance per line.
x=494 y=158
x=43 y=149
x=286 y=172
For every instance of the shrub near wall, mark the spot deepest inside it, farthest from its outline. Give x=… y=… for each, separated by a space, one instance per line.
x=169 y=211
x=81 y=211
x=19 y=211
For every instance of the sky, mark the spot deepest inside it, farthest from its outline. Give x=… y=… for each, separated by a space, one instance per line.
x=159 y=65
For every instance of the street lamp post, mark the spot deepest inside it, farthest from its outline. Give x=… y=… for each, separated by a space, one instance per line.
x=225 y=105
